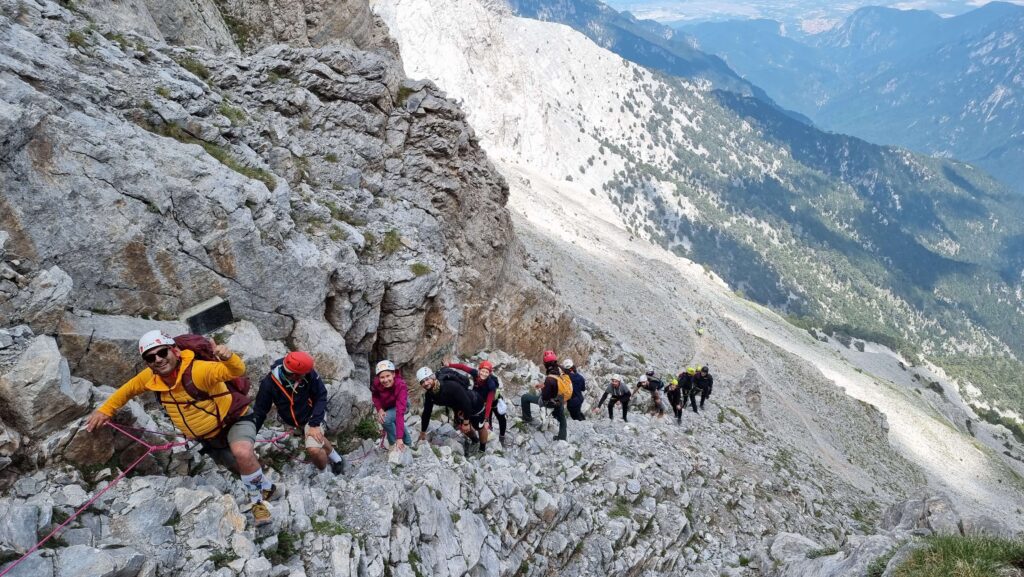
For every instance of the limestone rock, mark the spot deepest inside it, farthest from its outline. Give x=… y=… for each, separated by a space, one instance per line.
x=105 y=348
x=18 y=525
x=327 y=346
x=244 y=338
x=36 y=565
x=192 y=23
x=41 y=304
x=38 y=392
x=84 y=561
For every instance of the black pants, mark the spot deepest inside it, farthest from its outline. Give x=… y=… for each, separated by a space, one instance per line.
x=704 y=393
x=693 y=398
x=575 y=407
x=555 y=403
x=624 y=399
x=502 y=421
x=675 y=399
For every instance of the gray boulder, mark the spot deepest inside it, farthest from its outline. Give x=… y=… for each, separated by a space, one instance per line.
x=85 y=561
x=18 y=526
x=327 y=346
x=105 y=348
x=38 y=393
x=41 y=304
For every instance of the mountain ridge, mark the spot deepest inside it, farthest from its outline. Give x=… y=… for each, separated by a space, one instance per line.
x=947 y=87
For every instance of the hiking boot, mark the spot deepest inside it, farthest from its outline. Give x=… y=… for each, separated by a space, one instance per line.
x=261 y=514
x=503 y=441
x=270 y=494
x=338 y=468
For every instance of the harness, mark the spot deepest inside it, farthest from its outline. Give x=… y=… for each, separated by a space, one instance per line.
x=290 y=397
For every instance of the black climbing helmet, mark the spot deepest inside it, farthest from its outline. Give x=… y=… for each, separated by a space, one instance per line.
x=704 y=369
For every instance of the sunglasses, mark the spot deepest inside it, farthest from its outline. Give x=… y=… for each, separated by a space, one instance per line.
x=160 y=353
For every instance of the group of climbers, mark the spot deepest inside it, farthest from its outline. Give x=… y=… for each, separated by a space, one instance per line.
x=685 y=387
x=202 y=387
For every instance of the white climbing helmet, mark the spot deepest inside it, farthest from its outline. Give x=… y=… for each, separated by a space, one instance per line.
x=423 y=374
x=643 y=378
x=567 y=363
x=384 y=365
x=154 y=339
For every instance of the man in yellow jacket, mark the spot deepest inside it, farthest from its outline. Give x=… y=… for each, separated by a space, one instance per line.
x=200 y=419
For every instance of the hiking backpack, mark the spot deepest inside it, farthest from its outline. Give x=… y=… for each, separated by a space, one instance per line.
x=454 y=375
x=565 y=387
x=238 y=387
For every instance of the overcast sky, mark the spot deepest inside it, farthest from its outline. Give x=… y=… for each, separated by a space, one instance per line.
x=810 y=14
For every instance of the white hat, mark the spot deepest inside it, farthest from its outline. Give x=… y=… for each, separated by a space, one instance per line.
x=643 y=378
x=567 y=363
x=423 y=374
x=384 y=365
x=154 y=339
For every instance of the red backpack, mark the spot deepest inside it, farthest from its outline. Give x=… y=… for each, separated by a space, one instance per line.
x=238 y=387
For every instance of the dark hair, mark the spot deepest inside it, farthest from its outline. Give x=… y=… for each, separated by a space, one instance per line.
x=552 y=368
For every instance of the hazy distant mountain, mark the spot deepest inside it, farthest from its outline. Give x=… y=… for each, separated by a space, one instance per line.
x=798 y=16
x=950 y=87
x=645 y=42
x=867 y=240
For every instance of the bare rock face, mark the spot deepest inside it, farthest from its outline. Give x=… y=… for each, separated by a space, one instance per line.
x=39 y=395
x=297 y=183
x=105 y=348
x=192 y=23
x=41 y=305
x=258 y=23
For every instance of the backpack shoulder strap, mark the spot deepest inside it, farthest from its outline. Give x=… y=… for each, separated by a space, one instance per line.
x=190 y=386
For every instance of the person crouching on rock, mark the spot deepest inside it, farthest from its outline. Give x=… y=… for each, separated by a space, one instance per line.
x=554 y=391
x=616 y=392
x=295 y=388
x=449 y=388
x=201 y=405
x=485 y=385
x=653 y=386
x=390 y=399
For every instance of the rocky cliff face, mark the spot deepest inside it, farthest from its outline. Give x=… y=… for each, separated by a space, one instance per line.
x=335 y=204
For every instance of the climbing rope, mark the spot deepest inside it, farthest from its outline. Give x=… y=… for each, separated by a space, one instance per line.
x=150 y=449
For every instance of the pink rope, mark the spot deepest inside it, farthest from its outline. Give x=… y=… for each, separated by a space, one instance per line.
x=380 y=445
x=150 y=449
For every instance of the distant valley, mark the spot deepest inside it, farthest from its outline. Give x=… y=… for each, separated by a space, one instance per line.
x=950 y=87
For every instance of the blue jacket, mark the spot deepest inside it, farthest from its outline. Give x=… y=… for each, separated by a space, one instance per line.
x=305 y=404
x=579 y=384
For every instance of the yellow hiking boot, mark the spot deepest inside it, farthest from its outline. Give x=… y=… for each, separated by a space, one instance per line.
x=261 y=514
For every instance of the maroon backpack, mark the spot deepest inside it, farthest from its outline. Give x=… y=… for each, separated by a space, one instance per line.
x=238 y=387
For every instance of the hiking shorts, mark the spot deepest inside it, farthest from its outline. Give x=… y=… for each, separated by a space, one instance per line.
x=312 y=443
x=243 y=430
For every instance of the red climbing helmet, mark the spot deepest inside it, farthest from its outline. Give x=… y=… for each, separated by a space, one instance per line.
x=550 y=357
x=486 y=365
x=298 y=362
